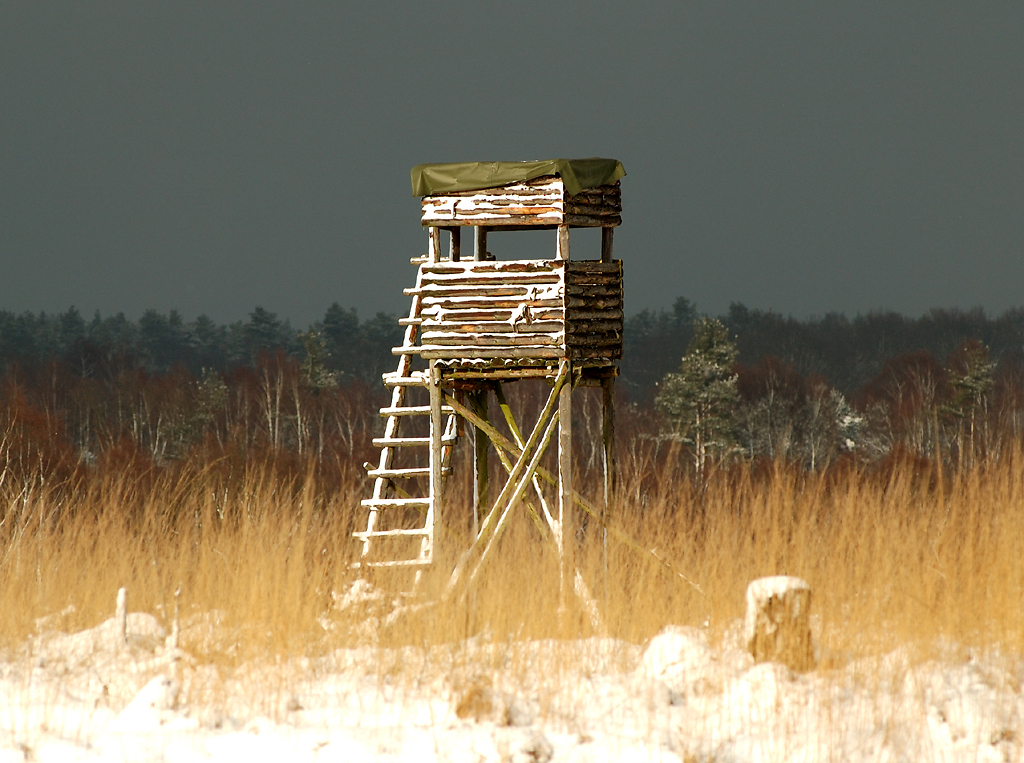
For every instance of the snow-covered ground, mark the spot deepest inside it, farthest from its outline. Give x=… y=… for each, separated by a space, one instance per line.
x=90 y=696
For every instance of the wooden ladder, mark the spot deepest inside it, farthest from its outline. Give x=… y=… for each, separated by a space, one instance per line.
x=388 y=494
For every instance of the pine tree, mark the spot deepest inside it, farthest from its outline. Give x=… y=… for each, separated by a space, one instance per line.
x=972 y=377
x=699 y=401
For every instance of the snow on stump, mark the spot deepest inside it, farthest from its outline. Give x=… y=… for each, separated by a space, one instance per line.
x=777 y=626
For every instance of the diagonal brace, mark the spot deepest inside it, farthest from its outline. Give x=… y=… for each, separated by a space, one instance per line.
x=514 y=477
x=503 y=442
x=528 y=475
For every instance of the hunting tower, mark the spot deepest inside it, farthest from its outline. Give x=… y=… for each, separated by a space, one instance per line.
x=477 y=323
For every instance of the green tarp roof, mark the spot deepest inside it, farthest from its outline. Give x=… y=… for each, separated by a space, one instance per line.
x=577 y=174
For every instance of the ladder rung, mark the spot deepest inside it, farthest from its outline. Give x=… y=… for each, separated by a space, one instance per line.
x=396 y=503
x=410 y=321
x=398 y=442
x=416 y=380
x=421 y=471
x=400 y=563
x=412 y=410
x=392 y=533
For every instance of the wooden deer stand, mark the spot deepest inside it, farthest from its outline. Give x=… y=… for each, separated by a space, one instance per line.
x=476 y=324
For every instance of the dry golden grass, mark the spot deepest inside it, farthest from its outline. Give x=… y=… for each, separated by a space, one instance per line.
x=899 y=555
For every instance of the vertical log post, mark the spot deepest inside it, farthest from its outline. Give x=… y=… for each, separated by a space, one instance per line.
x=479 y=243
x=562 y=251
x=455 y=250
x=433 y=244
x=566 y=526
x=479 y=404
x=435 y=519
x=608 y=441
x=607 y=428
x=607 y=239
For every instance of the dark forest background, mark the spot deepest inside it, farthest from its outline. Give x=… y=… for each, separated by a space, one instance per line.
x=78 y=391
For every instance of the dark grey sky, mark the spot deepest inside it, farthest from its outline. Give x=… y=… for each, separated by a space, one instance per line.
x=803 y=157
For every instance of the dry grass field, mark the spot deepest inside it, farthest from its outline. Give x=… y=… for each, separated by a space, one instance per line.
x=897 y=554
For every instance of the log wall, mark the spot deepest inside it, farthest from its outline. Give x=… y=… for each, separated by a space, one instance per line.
x=542 y=202
x=521 y=309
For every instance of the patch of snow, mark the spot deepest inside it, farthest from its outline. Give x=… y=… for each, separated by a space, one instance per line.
x=86 y=697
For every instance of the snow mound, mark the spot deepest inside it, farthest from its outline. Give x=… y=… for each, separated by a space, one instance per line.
x=681 y=659
x=143 y=633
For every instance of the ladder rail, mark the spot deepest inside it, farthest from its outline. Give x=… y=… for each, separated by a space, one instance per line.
x=387 y=495
x=387 y=453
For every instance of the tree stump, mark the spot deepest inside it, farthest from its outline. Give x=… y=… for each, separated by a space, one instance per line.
x=777 y=627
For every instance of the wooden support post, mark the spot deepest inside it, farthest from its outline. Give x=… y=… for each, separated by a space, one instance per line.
x=434 y=244
x=435 y=517
x=607 y=430
x=562 y=252
x=566 y=526
x=479 y=403
x=479 y=243
x=608 y=441
x=607 y=238
x=455 y=249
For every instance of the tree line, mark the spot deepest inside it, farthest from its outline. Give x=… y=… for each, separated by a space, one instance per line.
x=157 y=343
x=79 y=394
x=846 y=352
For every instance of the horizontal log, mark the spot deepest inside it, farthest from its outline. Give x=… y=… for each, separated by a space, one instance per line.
x=551 y=189
x=593 y=327
x=495 y=340
x=519 y=272
x=492 y=266
x=612 y=203
x=547 y=184
x=594 y=210
x=593 y=279
x=595 y=336
x=594 y=340
x=438 y=351
x=488 y=279
x=501 y=372
x=593 y=352
x=498 y=315
x=477 y=290
x=527 y=194
x=589 y=221
x=515 y=205
x=489 y=218
x=576 y=315
x=594 y=302
x=484 y=303
x=493 y=327
x=593 y=266
x=575 y=290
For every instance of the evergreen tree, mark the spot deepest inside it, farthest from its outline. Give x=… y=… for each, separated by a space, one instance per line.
x=971 y=377
x=699 y=401
x=340 y=332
